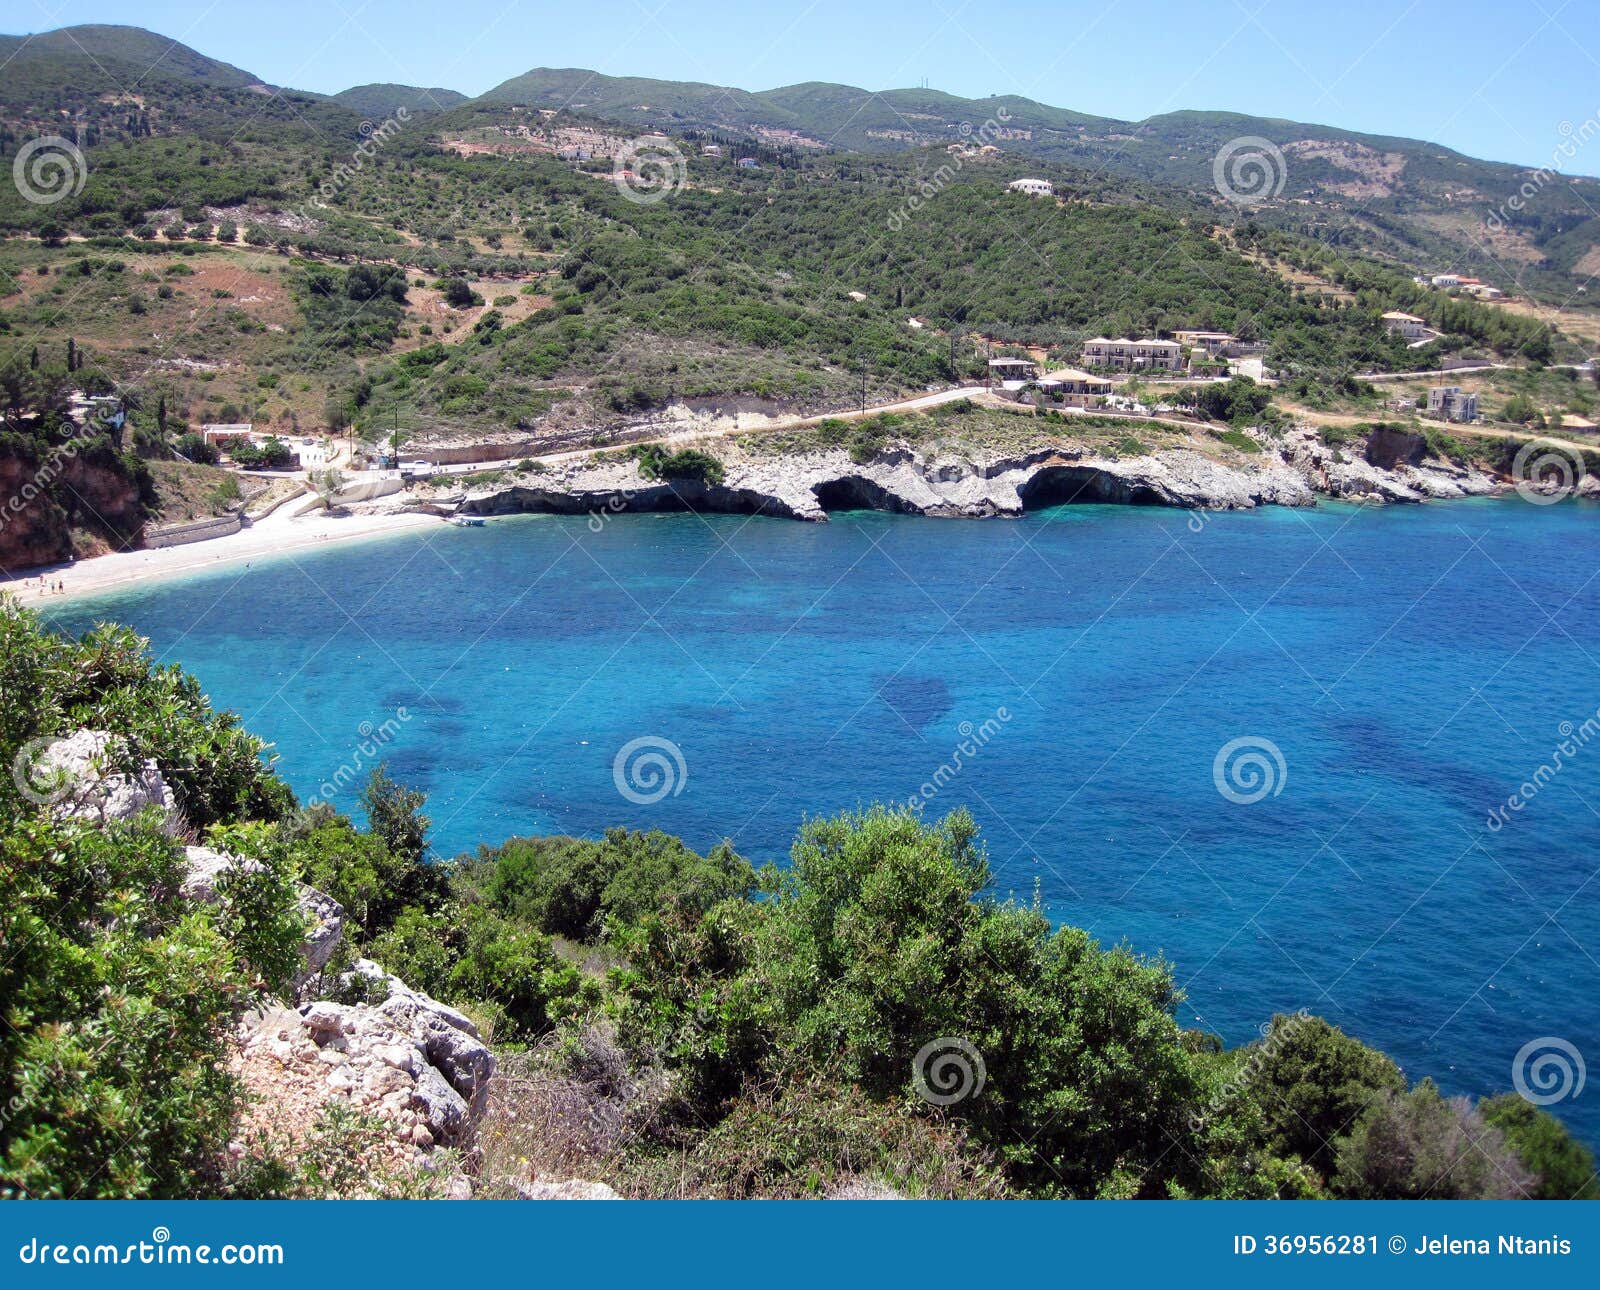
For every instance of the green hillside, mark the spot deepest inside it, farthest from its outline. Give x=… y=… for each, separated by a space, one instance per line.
x=123 y=56
x=236 y=255
x=382 y=100
x=1416 y=202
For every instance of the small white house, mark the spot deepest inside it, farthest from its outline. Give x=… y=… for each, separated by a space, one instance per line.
x=1408 y=325
x=1033 y=187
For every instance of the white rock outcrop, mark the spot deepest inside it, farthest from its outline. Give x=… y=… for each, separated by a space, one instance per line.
x=952 y=479
x=405 y=1058
x=204 y=869
x=78 y=776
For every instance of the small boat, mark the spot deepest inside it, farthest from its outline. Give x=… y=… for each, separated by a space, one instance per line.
x=465 y=521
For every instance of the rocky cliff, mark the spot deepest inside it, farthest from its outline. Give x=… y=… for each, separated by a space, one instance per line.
x=65 y=502
x=954 y=480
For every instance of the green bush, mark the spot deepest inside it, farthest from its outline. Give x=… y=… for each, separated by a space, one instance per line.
x=118 y=993
x=197 y=449
x=876 y=943
x=1418 y=1145
x=1236 y=439
x=1562 y=1168
x=1314 y=1081
x=576 y=888
x=655 y=462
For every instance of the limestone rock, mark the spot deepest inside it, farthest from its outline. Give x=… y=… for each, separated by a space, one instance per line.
x=205 y=869
x=324 y=915
x=566 y=1189
x=957 y=480
x=79 y=777
x=405 y=1056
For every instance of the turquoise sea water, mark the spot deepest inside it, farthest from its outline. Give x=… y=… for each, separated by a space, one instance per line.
x=1411 y=666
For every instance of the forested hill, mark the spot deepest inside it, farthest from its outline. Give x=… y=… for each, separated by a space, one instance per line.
x=374 y=101
x=122 y=56
x=230 y=253
x=1413 y=199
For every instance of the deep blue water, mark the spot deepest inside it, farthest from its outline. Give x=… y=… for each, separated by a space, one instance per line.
x=1412 y=665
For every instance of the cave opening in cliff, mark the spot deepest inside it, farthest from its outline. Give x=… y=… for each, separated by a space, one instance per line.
x=1068 y=485
x=855 y=493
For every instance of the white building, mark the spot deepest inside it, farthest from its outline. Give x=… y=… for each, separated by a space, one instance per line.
x=1212 y=342
x=1033 y=187
x=1408 y=325
x=1074 y=388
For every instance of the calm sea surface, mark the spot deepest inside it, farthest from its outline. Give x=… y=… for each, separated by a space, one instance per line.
x=1397 y=674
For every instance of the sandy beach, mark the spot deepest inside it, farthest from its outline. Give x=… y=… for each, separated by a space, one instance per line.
x=276 y=535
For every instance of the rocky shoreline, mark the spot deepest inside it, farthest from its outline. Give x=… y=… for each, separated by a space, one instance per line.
x=964 y=482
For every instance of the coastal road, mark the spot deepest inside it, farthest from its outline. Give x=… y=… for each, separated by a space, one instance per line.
x=677 y=437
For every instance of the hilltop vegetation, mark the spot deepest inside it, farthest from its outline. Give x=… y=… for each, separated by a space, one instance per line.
x=1419 y=203
x=381 y=100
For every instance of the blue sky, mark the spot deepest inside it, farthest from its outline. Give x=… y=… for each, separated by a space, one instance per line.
x=1494 y=80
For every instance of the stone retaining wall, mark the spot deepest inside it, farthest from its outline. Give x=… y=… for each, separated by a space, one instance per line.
x=193 y=531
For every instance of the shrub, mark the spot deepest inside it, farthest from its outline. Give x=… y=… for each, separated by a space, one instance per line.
x=874 y=944
x=1236 y=439
x=574 y=887
x=1562 y=1168
x=118 y=991
x=1419 y=1145
x=395 y=816
x=1314 y=1081
x=196 y=449
x=655 y=462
